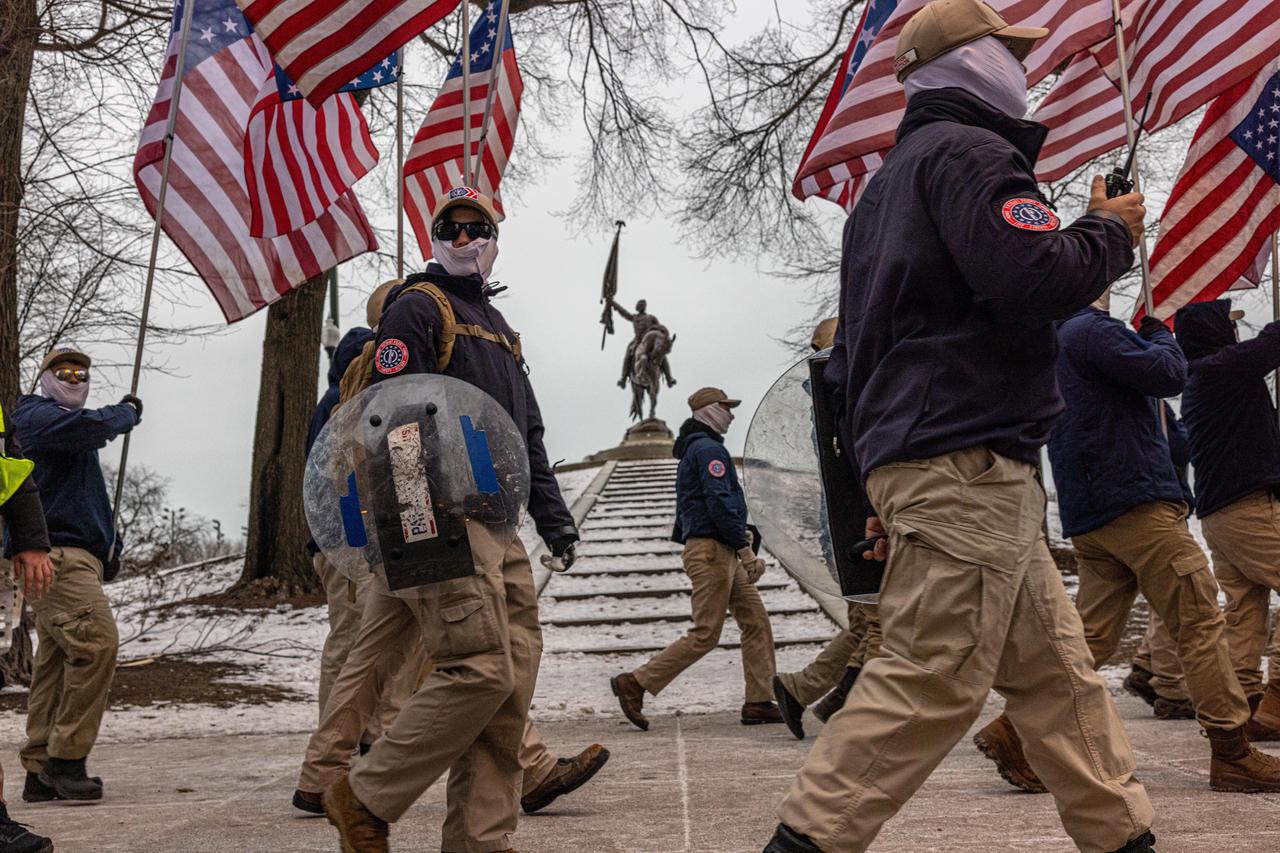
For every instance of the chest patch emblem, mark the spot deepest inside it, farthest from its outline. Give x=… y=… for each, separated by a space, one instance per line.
x=716 y=468
x=392 y=356
x=1029 y=214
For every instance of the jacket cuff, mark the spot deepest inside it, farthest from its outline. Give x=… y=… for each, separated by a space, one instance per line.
x=555 y=534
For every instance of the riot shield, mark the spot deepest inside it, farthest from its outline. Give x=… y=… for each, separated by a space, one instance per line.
x=402 y=472
x=808 y=508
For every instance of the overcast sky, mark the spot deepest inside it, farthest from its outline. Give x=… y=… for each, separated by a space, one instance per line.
x=728 y=318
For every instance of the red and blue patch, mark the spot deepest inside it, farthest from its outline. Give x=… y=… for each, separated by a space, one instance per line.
x=716 y=468
x=391 y=357
x=463 y=192
x=1029 y=214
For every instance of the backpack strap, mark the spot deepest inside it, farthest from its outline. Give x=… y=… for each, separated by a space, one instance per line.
x=450 y=328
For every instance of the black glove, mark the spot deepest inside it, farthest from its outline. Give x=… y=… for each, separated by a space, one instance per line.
x=133 y=401
x=565 y=548
x=111 y=568
x=1149 y=327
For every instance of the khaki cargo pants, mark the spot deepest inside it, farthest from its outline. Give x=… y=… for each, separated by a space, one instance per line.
x=1149 y=548
x=75 y=661
x=719 y=584
x=1244 y=539
x=468 y=717
x=847 y=650
x=971 y=601
x=346 y=600
x=1158 y=654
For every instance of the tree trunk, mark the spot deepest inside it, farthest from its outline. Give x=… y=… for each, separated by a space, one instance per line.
x=276 y=558
x=18 y=29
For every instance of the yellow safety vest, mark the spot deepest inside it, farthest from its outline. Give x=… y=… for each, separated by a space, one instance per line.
x=12 y=471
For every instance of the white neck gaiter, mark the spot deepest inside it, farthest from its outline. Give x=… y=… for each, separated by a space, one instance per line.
x=984 y=68
x=475 y=257
x=715 y=416
x=66 y=394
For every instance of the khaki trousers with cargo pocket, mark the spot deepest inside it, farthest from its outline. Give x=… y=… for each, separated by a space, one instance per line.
x=847 y=650
x=75 y=661
x=1149 y=548
x=468 y=717
x=971 y=601
x=1244 y=539
x=720 y=584
x=1158 y=654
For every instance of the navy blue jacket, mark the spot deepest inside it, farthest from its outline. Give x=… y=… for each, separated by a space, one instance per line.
x=1180 y=453
x=709 y=499
x=414 y=321
x=1235 y=441
x=1107 y=450
x=948 y=295
x=64 y=445
x=348 y=348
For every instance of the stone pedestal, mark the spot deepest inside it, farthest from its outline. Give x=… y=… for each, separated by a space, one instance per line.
x=649 y=439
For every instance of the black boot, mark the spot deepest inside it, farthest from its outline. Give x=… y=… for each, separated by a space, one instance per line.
x=35 y=791
x=834 y=701
x=787 y=840
x=16 y=838
x=67 y=777
x=1142 y=844
x=792 y=710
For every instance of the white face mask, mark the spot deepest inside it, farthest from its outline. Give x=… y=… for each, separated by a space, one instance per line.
x=68 y=395
x=476 y=257
x=715 y=416
x=984 y=68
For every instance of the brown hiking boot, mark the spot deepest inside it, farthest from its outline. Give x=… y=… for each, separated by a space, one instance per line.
x=631 y=699
x=1000 y=742
x=1265 y=725
x=834 y=701
x=759 y=713
x=1138 y=682
x=361 y=830
x=569 y=775
x=1238 y=767
x=1173 y=709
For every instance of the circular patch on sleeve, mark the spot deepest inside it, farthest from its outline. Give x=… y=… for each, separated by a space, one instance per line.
x=391 y=357
x=1029 y=214
x=716 y=468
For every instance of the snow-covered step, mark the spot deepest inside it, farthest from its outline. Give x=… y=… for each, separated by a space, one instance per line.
x=617 y=548
x=657 y=616
x=805 y=628
x=616 y=590
x=561 y=611
x=612 y=526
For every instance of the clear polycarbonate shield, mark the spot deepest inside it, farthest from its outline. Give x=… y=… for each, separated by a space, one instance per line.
x=404 y=471
x=784 y=486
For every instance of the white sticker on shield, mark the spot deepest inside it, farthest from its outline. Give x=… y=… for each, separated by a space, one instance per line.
x=417 y=518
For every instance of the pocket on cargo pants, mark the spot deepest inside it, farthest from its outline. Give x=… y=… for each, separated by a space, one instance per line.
x=460 y=619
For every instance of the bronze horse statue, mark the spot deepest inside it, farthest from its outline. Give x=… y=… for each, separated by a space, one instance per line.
x=646 y=369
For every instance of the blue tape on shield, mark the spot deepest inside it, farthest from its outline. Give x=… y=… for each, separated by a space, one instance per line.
x=481 y=459
x=352 y=518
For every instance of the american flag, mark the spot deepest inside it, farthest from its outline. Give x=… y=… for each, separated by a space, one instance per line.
x=1183 y=53
x=1225 y=205
x=207 y=206
x=434 y=162
x=325 y=44
x=382 y=74
x=854 y=137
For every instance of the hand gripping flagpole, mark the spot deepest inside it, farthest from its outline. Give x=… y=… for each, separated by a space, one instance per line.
x=1129 y=132
x=495 y=72
x=155 y=246
x=466 y=92
x=400 y=167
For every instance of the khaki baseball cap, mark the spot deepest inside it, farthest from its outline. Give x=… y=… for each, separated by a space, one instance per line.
x=63 y=353
x=466 y=197
x=944 y=25
x=378 y=299
x=707 y=396
x=824 y=334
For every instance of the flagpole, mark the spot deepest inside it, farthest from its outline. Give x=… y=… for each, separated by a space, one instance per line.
x=495 y=71
x=400 y=167
x=466 y=92
x=1130 y=132
x=155 y=247
x=1275 y=295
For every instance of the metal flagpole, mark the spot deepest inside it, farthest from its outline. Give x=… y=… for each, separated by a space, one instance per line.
x=155 y=246
x=466 y=92
x=1129 y=132
x=495 y=71
x=400 y=167
x=1275 y=294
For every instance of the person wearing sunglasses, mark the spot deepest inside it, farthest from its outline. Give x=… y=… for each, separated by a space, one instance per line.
x=469 y=715
x=76 y=628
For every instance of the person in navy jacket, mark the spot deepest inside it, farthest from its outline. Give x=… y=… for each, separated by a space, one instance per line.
x=1235 y=447
x=76 y=659
x=711 y=523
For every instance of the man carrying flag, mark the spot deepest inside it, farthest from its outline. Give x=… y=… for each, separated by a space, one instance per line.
x=954 y=271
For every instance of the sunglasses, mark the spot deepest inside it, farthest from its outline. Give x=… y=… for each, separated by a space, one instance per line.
x=447 y=230
x=71 y=374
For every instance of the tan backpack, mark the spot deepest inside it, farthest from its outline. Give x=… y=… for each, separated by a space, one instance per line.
x=359 y=374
